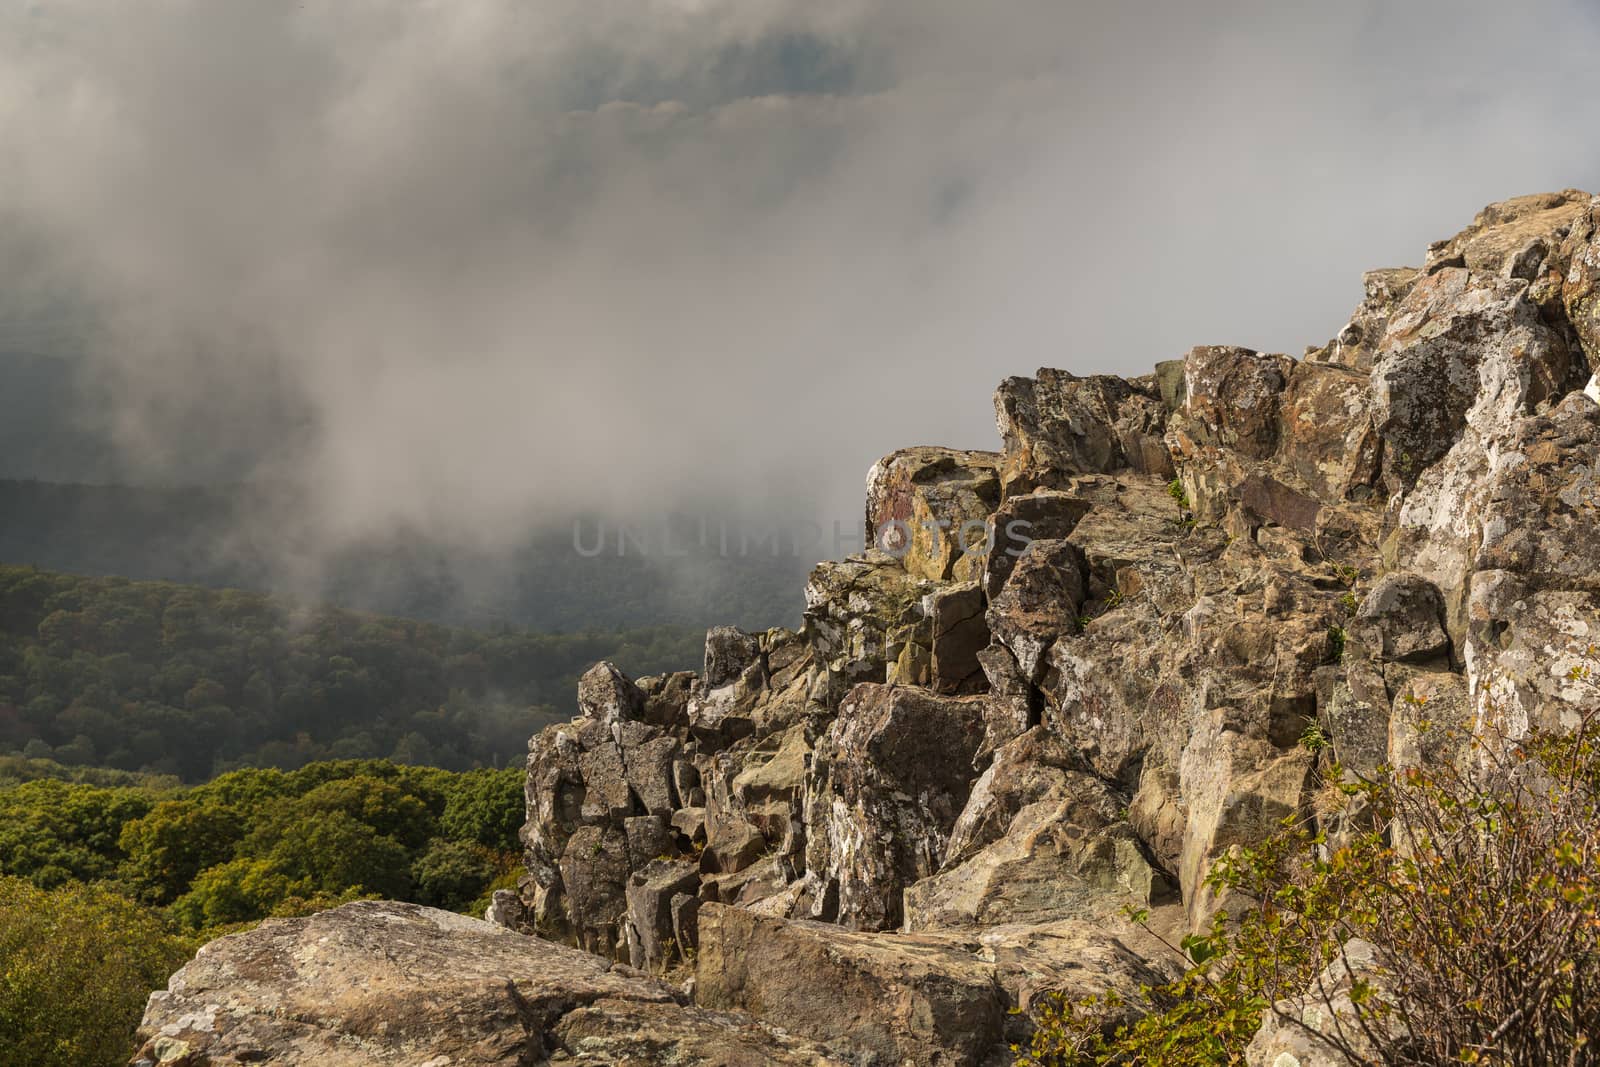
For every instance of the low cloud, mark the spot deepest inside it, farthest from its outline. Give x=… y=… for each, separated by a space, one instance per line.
x=467 y=265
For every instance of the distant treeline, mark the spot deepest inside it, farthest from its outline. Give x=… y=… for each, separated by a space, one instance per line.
x=255 y=537
x=170 y=679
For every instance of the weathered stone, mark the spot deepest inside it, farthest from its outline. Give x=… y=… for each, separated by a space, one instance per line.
x=506 y=909
x=685 y=909
x=1356 y=347
x=1402 y=619
x=606 y=796
x=959 y=632
x=1238 y=790
x=1010 y=709
x=770 y=789
x=1069 y=856
x=648 y=771
x=1272 y=501
x=929 y=507
x=754 y=683
x=917 y=1000
x=1233 y=398
x=732 y=844
x=1499 y=239
x=1039 y=516
x=1454 y=334
x=852 y=609
x=648 y=838
x=373 y=984
x=666 y=698
x=643 y=1034
x=650 y=892
x=605 y=693
x=691 y=823
x=729 y=653
x=1056 y=425
x=885 y=786
x=1042 y=600
x=1580 y=290
x=594 y=872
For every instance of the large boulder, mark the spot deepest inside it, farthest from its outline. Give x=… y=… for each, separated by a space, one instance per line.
x=374 y=984
x=939 y=998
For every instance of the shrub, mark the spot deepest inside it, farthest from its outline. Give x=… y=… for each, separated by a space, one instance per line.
x=1477 y=881
x=76 y=965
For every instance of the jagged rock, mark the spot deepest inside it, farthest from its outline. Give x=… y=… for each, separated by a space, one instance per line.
x=1399 y=528
x=885 y=786
x=770 y=789
x=1271 y=501
x=1238 y=791
x=753 y=683
x=594 y=874
x=605 y=693
x=685 y=911
x=729 y=653
x=1075 y=959
x=666 y=699
x=918 y=1000
x=650 y=892
x=1402 y=620
x=1039 y=516
x=1459 y=342
x=1066 y=857
x=1233 y=397
x=959 y=632
x=1501 y=236
x=691 y=823
x=371 y=984
x=929 y=508
x=1580 y=289
x=1011 y=707
x=1042 y=599
x=506 y=909
x=648 y=837
x=1057 y=424
x=647 y=766
x=858 y=615
x=732 y=844
x=1356 y=346
x=948 y=998
x=1039 y=840
x=1355 y=712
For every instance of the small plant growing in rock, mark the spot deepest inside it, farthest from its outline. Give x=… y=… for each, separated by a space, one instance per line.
x=1349 y=603
x=1175 y=491
x=1313 y=739
x=1336 y=640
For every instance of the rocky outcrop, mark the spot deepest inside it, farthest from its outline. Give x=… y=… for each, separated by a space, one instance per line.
x=1063 y=679
x=371 y=984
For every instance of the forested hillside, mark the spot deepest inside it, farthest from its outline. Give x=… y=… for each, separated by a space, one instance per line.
x=172 y=679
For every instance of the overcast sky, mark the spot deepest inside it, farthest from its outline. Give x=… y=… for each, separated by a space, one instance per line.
x=461 y=262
